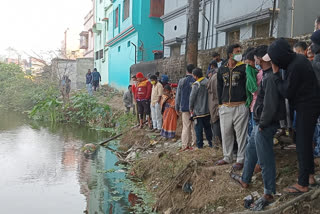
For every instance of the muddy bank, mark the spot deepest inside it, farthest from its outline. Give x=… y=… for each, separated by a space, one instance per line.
x=188 y=182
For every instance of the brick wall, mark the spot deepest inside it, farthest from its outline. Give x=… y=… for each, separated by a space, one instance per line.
x=83 y=64
x=174 y=67
x=75 y=69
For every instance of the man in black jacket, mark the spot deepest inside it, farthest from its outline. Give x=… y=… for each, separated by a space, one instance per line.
x=301 y=88
x=234 y=115
x=268 y=111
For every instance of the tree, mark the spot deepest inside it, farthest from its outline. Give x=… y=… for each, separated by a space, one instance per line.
x=192 y=34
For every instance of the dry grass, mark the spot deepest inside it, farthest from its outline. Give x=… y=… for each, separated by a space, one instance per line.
x=212 y=186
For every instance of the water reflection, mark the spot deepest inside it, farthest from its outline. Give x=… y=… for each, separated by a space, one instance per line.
x=44 y=170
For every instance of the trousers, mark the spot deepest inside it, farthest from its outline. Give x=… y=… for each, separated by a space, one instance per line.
x=234 y=119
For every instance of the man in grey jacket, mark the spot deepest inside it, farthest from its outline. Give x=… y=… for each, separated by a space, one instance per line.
x=128 y=100
x=199 y=107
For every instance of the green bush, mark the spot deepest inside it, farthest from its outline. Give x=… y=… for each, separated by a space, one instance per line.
x=20 y=91
x=85 y=108
x=81 y=108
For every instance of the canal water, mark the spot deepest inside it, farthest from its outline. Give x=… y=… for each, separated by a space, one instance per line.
x=43 y=170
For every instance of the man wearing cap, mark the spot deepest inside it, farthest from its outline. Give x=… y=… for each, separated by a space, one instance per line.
x=301 y=88
x=143 y=95
x=269 y=109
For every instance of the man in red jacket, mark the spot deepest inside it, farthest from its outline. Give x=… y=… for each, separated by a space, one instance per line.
x=143 y=96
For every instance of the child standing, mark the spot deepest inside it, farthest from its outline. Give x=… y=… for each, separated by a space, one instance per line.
x=169 y=126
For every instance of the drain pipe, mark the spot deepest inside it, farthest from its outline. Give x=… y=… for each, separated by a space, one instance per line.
x=135 y=52
x=212 y=21
x=217 y=20
x=203 y=25
x=292 y=17
x=205 y=47
x=162 y=36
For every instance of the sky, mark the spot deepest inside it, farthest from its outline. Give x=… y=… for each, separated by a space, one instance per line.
x=39 y=25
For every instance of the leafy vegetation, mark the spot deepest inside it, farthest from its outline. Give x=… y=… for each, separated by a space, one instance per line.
x=82 y=108
x=20 y=91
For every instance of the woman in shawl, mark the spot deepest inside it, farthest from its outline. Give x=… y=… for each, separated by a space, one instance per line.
x=169 y=125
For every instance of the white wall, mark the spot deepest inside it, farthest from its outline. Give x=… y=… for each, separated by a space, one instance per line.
x=180 y=21
x=171 y=5
x=230 y=9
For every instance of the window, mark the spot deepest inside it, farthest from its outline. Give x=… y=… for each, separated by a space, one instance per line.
x=126 y=9
x=261 y=30
x=97 y=55
x=156 y=8
x=233 y=37
x=128 y=44
x=117 y=18
x=119 y=48
x=101 y=54
x=84 y=40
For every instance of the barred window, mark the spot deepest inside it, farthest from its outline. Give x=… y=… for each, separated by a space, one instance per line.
x=126 y=9
x=117 y=18
x=101 y=54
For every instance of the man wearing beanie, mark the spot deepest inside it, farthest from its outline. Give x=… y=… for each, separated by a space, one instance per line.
x=301 y=88
x=143 y=95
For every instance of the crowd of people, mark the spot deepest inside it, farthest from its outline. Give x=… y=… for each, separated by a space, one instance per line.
x=242 y=103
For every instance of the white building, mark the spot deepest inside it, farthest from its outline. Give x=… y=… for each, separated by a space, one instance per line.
x=223 y=22
x=87 y=36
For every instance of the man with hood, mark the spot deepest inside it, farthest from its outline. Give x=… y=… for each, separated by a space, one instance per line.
x=233 y=113
x=301 y=88
x=199 y=108
x=315 y=48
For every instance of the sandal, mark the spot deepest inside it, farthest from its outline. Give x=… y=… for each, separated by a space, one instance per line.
x=296 y=191
x=184 y=149
x=260 y=204
x=237 y=166
x=221 y=162
x=237 y=179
